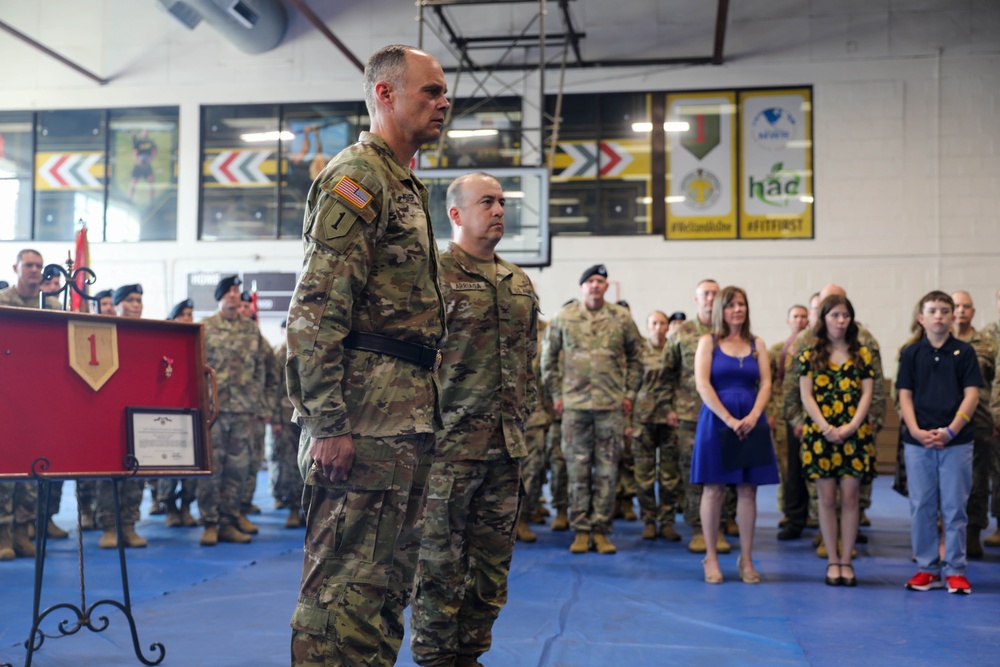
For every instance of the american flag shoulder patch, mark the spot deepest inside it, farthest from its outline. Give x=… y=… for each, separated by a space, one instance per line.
x=353 y=192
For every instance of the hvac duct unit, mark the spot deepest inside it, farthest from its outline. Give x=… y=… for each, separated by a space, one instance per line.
x=253 y=26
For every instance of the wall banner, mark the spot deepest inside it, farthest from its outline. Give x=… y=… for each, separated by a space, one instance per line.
x=776 y=164
x=701 y=166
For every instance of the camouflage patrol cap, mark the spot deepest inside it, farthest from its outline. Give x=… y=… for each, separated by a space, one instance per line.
x=104 y=294
x=122 y=292
x=223 y=286
x=179 y=308
x=595 y=270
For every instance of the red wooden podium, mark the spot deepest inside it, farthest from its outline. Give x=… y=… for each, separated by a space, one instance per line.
x=90 y=396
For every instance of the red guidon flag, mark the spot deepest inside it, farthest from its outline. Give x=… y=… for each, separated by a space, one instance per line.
x=82 y=259
x=253 y=300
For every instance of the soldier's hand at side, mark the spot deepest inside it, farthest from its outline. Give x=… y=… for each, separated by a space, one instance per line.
x=276 y=429
x=558 y=406
x=626 y=406
x=672 y=420
x=334 y=456
x=797 y=432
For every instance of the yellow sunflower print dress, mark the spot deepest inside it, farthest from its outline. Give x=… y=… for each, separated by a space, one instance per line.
x=837 y=391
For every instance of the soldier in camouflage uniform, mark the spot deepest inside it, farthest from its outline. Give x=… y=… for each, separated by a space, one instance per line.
x=992 y=331
x=233 y=348
x=594 y=386
x=487 y=387
x=655 y=435
x=533 y=464
x=795 y=414
x=797 y=321
x=984 y=451
x=363 y=327
x=18 y=499
x=283 y=474
x=556 y=462
x=678 y=365
x=128 y=304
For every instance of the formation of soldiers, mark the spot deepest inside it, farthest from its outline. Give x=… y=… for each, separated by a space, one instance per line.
x=252 y=396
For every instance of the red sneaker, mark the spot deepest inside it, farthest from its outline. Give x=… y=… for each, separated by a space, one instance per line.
x=959 y=584
x=924 y=581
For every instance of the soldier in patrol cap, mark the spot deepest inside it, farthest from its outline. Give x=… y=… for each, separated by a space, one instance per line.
x=18 y=499
x=593 y=385
x=232 y=347
x=364 y=325
x=127 y=300
x=487 y=388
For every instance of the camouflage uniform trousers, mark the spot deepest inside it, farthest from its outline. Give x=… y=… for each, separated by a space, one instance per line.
x=984 y=452
x=167 y=491
x=18 y=503
x=254 y=464
x=657 y=460
x=626 y=488
x=779 y=436
x=361 y=547
x=558 y=478
x=86 y=494
x=591 y=443
x=533 y=467
x=465 y=555
x=284 y=477
x=219 y=495
x=692 y=492
x=129 y=500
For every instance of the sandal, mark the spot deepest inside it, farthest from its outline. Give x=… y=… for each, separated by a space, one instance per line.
x=849 y=582
x=748 y=576
x=711 y=577
x=833 y=581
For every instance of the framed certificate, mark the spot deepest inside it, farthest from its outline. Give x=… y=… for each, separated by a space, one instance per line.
x=165 y=438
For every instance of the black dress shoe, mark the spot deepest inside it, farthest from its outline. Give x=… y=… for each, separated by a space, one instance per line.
x=845 y=581
x=833 y=581
x=789 y=533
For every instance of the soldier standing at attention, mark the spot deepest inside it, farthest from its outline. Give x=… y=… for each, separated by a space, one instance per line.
x=232 y=348
x=984 y=449
x=533 y=465
x=17 y=499
x=655 y=436
x=283 y=474
x=487 y=390
x=128 y=304
x=678 y=362
x=593 y=386
x=992 y=330
x=364 y=326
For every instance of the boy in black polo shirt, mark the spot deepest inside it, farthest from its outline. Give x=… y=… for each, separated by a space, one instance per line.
x=938 y=382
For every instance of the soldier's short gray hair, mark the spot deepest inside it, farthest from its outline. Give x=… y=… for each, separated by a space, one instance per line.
x=456 y=191
x=387 y=64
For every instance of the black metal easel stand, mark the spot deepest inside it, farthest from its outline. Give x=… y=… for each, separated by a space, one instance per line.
x=85 y=617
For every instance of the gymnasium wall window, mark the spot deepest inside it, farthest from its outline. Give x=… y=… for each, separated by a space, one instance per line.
x=115 y=169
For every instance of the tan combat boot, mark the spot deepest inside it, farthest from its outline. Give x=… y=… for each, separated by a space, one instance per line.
x=294 y=519
x=669 y=533
x=732 y=530
x=132 y=539
x=211 y=535
x=55 y=532
x=87 y=519
x=603 y=544
x=109 y=539
x=230 y=533
x=561 y=522
x=649 y=531
x=524 y=532
x=994 y=539
x=173 y=519
x=628 y=511
x=244 y=524
x=721 y=545
x=6 y=543
x=697 y=543
x=581 y=543
x=23 y=548
x=187 y=520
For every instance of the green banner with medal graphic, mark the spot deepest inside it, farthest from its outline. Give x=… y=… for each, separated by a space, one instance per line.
x=776 y=164
x=701 y=165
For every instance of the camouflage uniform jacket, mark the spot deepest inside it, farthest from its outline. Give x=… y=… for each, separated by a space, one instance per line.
x=9 y=296
x=541 y=413
x=270 y=405
x=285 y=407
x=992 y=331
x=371 y=265
x=655 y=399
x=602 y=361
x=233 y=350
x=986 y=351
x=487 y=377
x=678 y=364
x=774 y=406
x=792 y=408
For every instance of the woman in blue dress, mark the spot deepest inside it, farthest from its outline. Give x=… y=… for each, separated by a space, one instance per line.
x=733 y=378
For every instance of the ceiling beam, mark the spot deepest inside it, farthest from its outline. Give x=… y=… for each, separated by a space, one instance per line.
x=317 y=23
x=721 y=17
x=52 y=54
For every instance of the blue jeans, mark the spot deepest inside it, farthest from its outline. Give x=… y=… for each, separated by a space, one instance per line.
x=939 y=478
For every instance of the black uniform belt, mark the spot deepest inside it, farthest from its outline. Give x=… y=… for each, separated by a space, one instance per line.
x=415 y=353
